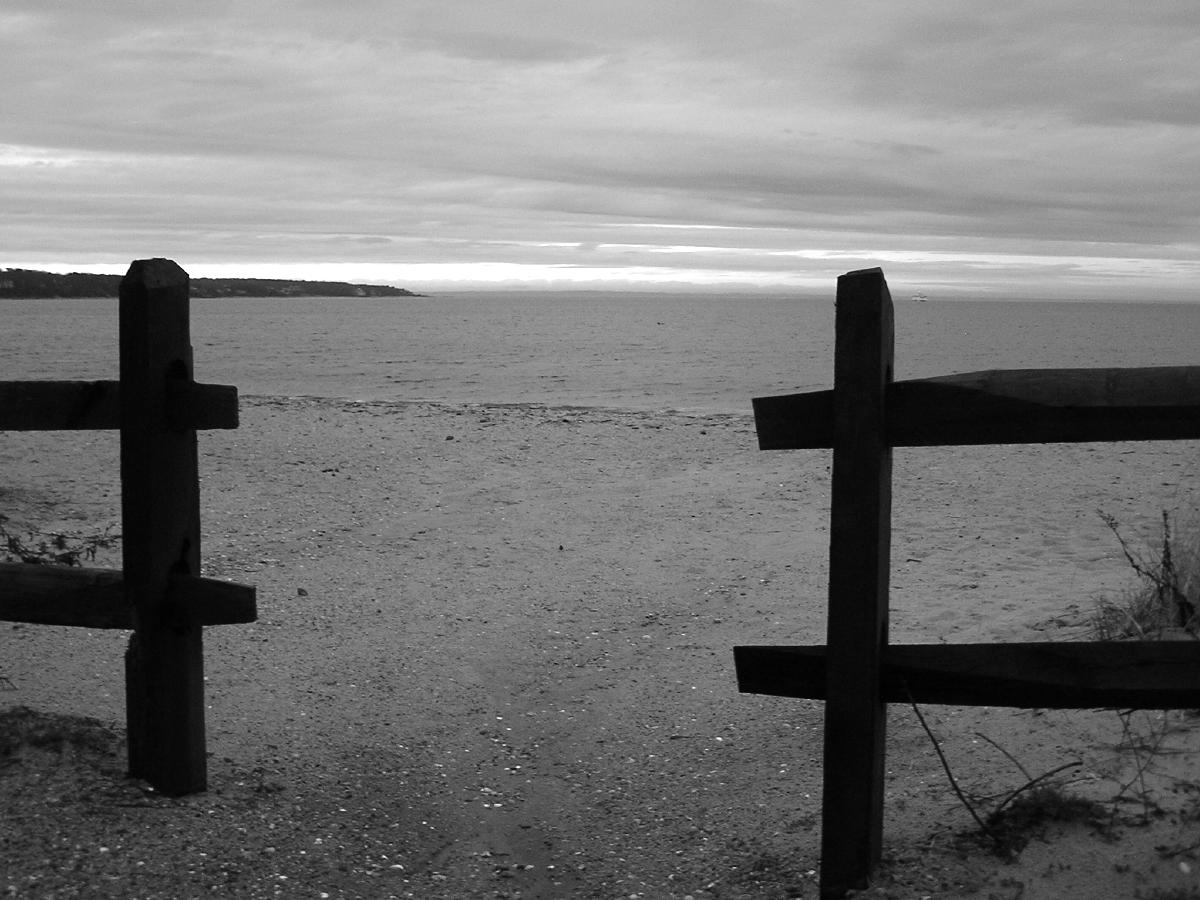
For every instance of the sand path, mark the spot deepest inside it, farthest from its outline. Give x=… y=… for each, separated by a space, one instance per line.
x=494 y=658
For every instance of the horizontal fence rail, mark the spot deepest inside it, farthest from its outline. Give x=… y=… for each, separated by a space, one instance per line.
x=1005 y=406
x=95 y=598
x=96 y=406
x=1084 y=675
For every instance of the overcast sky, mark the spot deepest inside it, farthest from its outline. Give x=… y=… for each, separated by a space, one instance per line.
x=1046 y=148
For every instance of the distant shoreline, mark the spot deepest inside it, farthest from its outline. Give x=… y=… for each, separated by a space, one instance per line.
x=32 y=284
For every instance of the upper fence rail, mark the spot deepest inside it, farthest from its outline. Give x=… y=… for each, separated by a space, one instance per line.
x=1005 y=406
x=96 y=405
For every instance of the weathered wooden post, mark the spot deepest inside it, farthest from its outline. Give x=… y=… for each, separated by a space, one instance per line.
x=859 y=562
x=160 y=509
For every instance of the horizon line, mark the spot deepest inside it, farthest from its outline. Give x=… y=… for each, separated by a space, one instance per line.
x=508 y=277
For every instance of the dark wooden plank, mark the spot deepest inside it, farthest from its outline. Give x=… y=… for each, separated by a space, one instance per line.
x=95 y=598
x=1156 y=386
x=859 y=559
x=59 y=405
x=54 y=595
x=794 y=421
x=160 y=509
x=1075 y=675
x=1047 y=406
x=1006 y=406
x=209 y=601
x=96 y=405
x=201 y=406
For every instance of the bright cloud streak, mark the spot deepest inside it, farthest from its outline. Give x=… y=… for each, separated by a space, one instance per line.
x=1033 y=150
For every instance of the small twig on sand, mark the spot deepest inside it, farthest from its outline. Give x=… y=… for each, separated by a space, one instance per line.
x=1141 y=762
x=1012 y=759
x=950 y=775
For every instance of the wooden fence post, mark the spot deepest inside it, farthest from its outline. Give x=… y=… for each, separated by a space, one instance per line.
x=160 y=508
x=857 y=672
x=159 y=594
x=859 y=561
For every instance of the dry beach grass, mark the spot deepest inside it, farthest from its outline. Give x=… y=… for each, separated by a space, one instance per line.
x=494 y=659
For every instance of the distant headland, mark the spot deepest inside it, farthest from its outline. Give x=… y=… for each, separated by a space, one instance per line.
x=32 y=283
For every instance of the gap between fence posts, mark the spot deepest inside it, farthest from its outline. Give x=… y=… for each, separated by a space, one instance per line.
x=160 y=509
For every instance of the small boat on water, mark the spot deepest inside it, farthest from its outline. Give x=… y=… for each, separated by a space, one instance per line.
x=919 y=297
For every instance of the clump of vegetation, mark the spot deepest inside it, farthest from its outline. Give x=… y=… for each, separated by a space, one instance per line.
x=1011 y=827
x=1167 y=598
x=1164 y=603
x=21 y=727
x=52 y=548
x=1143 y=736
x=1015 y=820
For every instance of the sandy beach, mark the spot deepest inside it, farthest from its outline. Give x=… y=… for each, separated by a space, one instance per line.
x=494 y=659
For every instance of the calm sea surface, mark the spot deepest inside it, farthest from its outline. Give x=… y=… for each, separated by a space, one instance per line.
x=623 y=350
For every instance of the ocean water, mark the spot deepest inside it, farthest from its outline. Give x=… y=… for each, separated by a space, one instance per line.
x=697 y=353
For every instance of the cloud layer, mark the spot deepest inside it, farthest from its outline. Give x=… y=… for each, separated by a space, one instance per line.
x=1030 y=149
